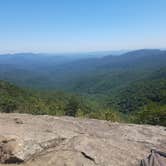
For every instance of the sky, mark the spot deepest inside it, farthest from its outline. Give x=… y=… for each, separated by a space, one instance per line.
x=54 y=26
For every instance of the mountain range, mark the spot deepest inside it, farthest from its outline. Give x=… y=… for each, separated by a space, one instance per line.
x=131 y=82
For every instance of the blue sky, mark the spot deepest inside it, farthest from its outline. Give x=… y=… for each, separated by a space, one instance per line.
x=81 y=25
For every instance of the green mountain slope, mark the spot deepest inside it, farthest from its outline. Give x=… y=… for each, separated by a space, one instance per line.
x=129 y=87
x=142 y=107
x=134 y=96
x=82 y=75
x=15 y=99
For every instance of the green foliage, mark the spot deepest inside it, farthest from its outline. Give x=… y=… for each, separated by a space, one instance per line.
x=107 y=114
x=142 y=101
x=151 y=114
x=131 y=87
x=8 y=105
x=140 y=93
x=14 y=99
x=72 y=107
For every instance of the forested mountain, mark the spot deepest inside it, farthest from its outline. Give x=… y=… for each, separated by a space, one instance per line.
x=88 y=74
x=16 y=99
x=151 y=89
x=109 y=87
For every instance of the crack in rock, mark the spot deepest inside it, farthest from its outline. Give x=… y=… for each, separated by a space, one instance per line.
x=88 y=157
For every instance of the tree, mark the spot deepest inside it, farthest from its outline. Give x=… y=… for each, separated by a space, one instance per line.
x=152 y=114
x=8 y=105
x=72 y=107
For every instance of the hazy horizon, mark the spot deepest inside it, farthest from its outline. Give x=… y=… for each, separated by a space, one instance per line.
x=96 y=53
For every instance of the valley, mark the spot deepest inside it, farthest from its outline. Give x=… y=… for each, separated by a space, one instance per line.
x=130 y=87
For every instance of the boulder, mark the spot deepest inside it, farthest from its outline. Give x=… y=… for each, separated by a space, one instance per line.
x=44 y=140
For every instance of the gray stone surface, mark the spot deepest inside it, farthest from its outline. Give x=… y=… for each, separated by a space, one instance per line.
x=65 y=141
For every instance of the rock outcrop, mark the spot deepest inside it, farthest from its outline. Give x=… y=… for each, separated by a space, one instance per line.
x=43 y=140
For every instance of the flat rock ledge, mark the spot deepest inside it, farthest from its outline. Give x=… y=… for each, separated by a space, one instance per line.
x=44 y=140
